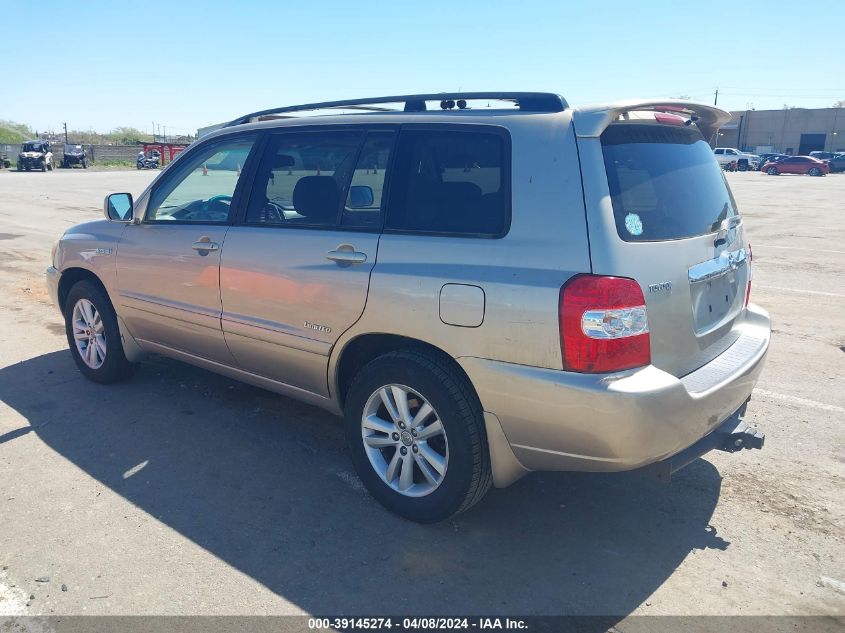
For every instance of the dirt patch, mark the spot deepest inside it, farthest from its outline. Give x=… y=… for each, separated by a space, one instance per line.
x=55 y=328
x=789 y=499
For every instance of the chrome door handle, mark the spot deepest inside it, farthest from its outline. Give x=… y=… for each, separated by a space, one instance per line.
x=204 y=248
x=346 y=255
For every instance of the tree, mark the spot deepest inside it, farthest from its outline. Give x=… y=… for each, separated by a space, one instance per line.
x=839 y=104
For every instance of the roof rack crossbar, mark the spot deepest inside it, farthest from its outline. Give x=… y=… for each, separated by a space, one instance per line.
x=526 y=101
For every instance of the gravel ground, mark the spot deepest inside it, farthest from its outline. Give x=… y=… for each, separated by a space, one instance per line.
x=182 y=492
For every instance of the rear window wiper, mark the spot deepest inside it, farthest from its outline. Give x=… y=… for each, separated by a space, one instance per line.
x=724 y=227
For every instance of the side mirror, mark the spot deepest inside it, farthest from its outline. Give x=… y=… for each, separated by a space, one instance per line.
x=118 y=207
x=361 y=197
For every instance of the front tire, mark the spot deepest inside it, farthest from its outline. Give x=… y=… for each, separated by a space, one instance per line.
x=772 y=171
x=415 y=432
x=94 y=336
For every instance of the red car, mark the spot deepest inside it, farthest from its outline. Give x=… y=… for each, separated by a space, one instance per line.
x=796 y=165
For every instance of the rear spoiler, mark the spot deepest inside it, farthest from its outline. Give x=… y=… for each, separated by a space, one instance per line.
x=591 y=120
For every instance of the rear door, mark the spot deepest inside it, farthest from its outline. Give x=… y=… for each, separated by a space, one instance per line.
x=660 y=211
x=294 y=274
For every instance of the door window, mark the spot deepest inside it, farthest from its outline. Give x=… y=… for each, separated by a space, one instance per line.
x=363 y=208
x=202 y=186
x=303 y=177
x=450 y=182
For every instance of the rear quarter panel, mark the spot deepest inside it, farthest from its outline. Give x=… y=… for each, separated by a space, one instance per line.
x=520 y=273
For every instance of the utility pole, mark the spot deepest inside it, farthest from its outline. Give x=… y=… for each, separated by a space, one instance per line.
x=65 y=124
x=154 y=131
x=716 y=98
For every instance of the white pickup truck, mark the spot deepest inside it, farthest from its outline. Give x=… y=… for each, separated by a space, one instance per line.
x=727 y=155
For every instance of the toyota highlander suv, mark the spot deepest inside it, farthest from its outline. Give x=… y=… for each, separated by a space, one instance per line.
x=481 y=284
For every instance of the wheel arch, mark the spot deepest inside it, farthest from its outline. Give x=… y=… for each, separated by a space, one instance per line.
x=73 y=275
x=364 y=348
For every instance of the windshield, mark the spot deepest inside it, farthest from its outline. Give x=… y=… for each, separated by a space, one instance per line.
x=32 y=147
x=73 y=149
x=665 y=183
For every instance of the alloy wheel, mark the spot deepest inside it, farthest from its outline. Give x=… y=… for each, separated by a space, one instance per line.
x=404 y=440
x=89 y=334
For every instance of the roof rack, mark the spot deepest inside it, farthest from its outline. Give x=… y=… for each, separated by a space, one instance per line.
x=525 y=101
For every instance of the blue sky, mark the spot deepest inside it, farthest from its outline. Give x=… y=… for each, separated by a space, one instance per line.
x=186 y=64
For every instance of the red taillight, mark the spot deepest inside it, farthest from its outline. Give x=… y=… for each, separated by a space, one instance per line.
x=603 y=324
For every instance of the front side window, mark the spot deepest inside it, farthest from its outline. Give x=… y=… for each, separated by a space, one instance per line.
x=302 y=178
x=201 y=188
x=450 y=181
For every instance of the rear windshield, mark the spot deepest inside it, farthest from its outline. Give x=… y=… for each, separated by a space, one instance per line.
x=664 y=182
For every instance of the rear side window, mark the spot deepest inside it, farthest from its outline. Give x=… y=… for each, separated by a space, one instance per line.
x=664 y=182
x=450 y=182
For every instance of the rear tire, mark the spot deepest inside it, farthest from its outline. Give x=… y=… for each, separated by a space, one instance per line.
x=91 y=322
x=814 y=171
x=460 y=442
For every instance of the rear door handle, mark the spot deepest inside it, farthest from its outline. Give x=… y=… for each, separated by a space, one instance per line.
x=346 y=255
x=204 y=248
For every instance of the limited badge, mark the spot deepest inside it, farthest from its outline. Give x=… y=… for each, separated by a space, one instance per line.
x=634 y=224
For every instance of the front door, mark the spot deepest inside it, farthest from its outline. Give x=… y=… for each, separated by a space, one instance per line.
x=168 y=265
x=294 y=276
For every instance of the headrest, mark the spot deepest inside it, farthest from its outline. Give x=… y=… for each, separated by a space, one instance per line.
x=281 y=160
x=317 y=198
x=461 y=190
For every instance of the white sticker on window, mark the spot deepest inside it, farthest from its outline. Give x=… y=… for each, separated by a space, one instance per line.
x=634 y=224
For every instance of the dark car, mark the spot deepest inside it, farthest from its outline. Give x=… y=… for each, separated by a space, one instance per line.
x=74 y=155
x=837 y=163
x=796 y=165
x=822 y=155
x=766 y=158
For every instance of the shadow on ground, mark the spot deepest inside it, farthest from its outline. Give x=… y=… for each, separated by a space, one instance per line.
x=264 y=484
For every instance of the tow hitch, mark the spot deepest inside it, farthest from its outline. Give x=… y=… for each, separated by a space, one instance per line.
x=731 y=436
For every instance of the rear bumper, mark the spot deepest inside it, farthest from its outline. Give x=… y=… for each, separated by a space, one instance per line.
x=556 y=420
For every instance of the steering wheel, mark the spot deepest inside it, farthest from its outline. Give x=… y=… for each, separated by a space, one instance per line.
x=273 y=213
x=221 y=198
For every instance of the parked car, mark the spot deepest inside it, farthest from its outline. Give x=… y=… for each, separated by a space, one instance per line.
x=74 y=155
x=768 y=158
x=727 y=155
x=480 y=293
x=822 y=155
x=35 y=155
x=836 y=163
x=796 y=165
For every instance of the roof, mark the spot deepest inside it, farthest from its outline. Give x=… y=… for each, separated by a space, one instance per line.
x=590 y=120
x=523 y=101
